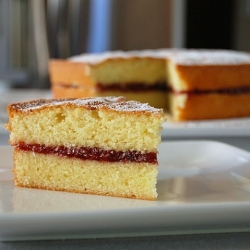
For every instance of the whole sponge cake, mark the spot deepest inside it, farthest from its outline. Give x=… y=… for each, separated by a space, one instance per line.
x=104 y=146
x=189 y=84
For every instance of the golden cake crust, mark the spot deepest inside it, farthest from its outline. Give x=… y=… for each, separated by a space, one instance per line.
x=209 y=106
x=68 y=72
x=211 y=77
x=63 y=91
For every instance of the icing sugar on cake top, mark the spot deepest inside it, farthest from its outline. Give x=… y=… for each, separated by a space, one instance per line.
x=98 y=58
x=111 y=102
x=210 y=57
x=178 y=56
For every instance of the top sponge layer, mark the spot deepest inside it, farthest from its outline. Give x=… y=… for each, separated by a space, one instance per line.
x=108 y=123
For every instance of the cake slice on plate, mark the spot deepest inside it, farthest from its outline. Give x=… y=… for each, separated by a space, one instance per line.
x=105 y=146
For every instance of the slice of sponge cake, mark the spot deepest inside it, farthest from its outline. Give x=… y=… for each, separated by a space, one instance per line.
x=104 y=146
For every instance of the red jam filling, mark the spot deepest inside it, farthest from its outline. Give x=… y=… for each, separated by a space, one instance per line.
x=132 y=86
x=236 y=91
x=162 y=86
x=88 y=153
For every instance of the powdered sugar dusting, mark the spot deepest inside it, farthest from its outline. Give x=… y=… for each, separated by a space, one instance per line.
x=100 y=57
x=210 y=57
x=178 y=56
x=111 y=102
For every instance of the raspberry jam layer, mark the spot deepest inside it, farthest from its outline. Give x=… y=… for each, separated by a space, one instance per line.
x=161 y=86
x=132 y=86
x=232 y=91
x=87 y=153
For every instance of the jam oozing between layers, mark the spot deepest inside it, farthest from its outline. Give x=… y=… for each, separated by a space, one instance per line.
x=88 y=153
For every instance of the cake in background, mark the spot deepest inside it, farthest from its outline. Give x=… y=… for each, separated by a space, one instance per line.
x=105 y=146
x=187 y=84
x=137 y=75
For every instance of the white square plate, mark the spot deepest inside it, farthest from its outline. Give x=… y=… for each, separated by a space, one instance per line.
x=203 y=186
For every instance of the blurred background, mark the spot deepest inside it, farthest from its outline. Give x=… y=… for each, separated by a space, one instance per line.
x=32 y=31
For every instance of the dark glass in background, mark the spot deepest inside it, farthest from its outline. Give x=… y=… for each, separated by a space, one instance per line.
x=210 y=24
